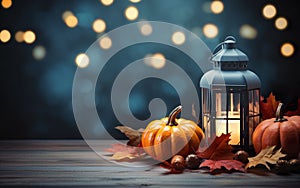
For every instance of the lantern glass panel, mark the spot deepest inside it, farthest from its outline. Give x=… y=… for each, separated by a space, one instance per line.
x=227 y=118
x=256 y=96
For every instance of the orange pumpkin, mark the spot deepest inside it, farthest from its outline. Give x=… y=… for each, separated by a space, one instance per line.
x=169 y=136
x=280 y=131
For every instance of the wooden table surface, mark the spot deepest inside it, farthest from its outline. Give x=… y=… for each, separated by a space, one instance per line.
x=71 y=163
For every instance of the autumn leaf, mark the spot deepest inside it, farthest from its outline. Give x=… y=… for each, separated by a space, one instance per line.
x=227 y=164
x=268 y=108
x=295 y=112
x=265 y=157
x=125 y=152
x=133 y=135
x=218 y=150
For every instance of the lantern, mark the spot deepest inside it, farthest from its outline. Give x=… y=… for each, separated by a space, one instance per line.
x=230 y=96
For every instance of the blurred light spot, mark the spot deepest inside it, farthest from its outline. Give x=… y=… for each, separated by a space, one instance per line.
x=39 y=52
x=217 y=7
x=107 y=2
x=147 y=59
x=281 y=23
x=210 y=30
x=178 y=38
x=82 y=60
x=287 y=49
x=5 y=35
x=135 y=1
x=248 y=32
x=206 y=7
x=29 y=37
x=157 y=61
x=19 y=36
x=71 y=21
x=131 y=13
x=269 y=11
x=99 y=26
x=105 y=43
x=6 y=3
x=66 y=14
x=146 y=29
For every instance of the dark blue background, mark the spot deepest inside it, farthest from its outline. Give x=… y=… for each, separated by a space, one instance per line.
x=36 y=95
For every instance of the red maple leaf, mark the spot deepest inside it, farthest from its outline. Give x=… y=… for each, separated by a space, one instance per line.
x=268 y=108
x=227 y=164
x=218 y=150
x=295 y=112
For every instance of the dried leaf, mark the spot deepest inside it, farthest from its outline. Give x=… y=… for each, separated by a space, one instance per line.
x=294 y=112
x=133 y=135
x=267 y=155
x=227 y=164
x=218 y=150
x=268 y=108
x=123 y=152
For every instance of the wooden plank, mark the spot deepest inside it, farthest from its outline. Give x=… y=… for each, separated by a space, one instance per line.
x=71 y=163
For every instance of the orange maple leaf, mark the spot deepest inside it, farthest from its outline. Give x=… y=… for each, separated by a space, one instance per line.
x=268 y=108
x=218 y=150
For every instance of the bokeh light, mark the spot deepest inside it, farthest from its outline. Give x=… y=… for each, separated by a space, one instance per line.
x=105 y=43
x=99 y=26
x=39 y=52
x=71 y=21
x=146 y=29
x=210 y=30
x=29 y=37
x=158 y=61
x=217 y=7
x=248 y=32
x=269 y=11
x=66 y=14
x=131 y=13
x=19 y=36
x=135 y=1
x=82 y=60
x=287 y=49
x=178 y=38
x=5 y=36
x=6 y=3
x=281 y=23
x=107 y=2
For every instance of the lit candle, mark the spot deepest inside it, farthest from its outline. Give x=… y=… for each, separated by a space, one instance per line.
x=233 y=128
x=233 y=125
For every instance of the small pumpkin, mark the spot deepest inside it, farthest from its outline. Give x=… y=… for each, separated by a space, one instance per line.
x=281 y=131
x=169 y=136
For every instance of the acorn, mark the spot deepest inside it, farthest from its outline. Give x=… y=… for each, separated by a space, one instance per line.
x=241 y=156
x=178 y=162
x=295 y=165
x=192 y=161
x=282 y=167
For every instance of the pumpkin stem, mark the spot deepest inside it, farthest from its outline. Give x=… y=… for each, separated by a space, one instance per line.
x=279 y=114
x=173 y=115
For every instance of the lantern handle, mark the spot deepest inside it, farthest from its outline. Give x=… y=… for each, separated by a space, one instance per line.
x=228 y=40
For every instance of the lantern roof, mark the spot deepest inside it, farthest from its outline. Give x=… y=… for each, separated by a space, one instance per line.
x=227 y=52
x=230 y=68
x=230 y=79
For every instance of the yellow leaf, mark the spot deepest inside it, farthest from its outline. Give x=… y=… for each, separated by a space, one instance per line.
x=267 y=155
